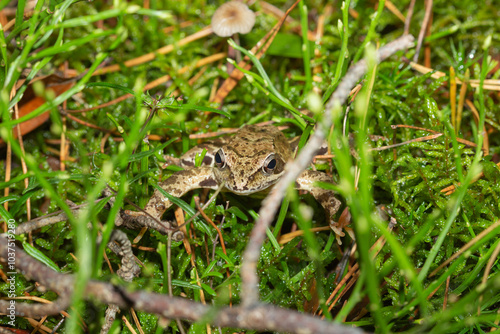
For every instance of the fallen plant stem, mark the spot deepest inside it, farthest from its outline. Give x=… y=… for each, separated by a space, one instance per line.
x=286 y=238
x=394 y=10
x=49 y=219
x=152 y=55
x=489 y=84
x=423 y=28
x=460 y=140
x=156 y=82
x=207 y=218
x=250 y=280
x=354 y=270
x=466 y=247
x=475 y=113
x=259 y=317
x=408 y=17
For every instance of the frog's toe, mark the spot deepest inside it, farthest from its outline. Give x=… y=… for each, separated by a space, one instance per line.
x=119 y=219
x=337 y=230
x=350 y=231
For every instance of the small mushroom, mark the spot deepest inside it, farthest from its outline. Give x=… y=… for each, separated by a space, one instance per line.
x=232 y=18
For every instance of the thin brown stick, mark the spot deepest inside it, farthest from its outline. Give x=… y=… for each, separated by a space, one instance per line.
x=49 y=219
x=169 y=278
x=346 y=289
x=207 y=218
x=285 y=238
x=393 y=9
x=250 y=280
x=152 y=55
x=327 y=12
x=408 y=17
x=461 y=99
x=90 y=125
x=354 y=270
x=136 y=321
x=466 y=247
x=8 y=170
x=39 y=325
x=453 y=99
x=491 y=261
x=202 y=62
x=487 y=270
x=23 y=152
x=420 y=139
x=396 y=126
x=489 y=84
x=43 y=329
x=63 y=148
x=200 y=210
x=428 y=49
x=260 y=317
x=460 y=140
x=495 y=327
x=486 y=148
x=446 y=291
x=475 y=113
x=423 y=28
x=278 y=13
x=434 y=292
x=181 y=25
x=128 y=324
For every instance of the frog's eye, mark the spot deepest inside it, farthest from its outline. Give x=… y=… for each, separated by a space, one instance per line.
x=220 y=160
x=269 y=164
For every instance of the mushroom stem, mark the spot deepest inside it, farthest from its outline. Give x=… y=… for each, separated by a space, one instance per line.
x=232 y=18
x=233 y=53
x=236 y=38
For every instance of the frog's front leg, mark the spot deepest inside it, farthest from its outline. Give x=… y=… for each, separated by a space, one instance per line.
x=176 y=185
x=327 y=198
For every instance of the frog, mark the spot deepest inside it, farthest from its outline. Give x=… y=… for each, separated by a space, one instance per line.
x=249 y=162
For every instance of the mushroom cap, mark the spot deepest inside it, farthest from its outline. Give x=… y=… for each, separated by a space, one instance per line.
x=232 y=17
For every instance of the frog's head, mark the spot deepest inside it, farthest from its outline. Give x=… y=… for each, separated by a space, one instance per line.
x=249 y=173
x=252 y=161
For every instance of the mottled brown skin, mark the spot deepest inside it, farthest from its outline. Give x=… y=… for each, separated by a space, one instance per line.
x=245 y=156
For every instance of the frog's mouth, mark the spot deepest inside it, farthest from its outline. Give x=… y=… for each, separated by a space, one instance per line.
x=244 y=190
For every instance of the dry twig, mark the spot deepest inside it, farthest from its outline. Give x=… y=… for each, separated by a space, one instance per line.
x=408 y=17
x=466 y=247
x=489 y=84
x=423 y=28
x=250 y=280
x=259 y=317
x=152 y=55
